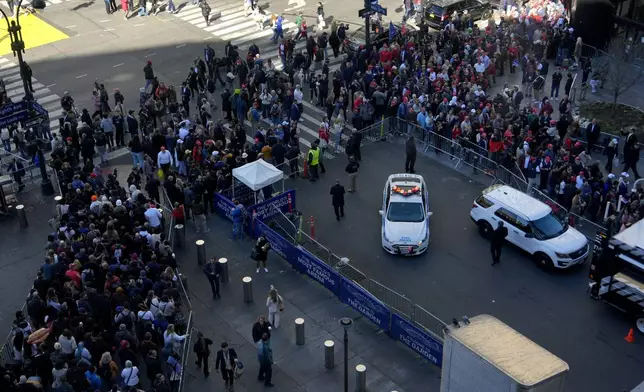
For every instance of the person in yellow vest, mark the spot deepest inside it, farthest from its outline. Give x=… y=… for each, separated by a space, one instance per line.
x=313 y=160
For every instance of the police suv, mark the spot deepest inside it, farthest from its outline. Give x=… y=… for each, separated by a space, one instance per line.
x=532 y=227
x=405 y=215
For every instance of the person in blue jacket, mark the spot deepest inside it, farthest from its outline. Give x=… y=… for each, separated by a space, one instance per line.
x=237 y=216
x=278 y=31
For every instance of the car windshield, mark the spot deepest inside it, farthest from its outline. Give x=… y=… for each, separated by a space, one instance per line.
x=405 y=212
x=435 y=9
x=358 y=35
x=550 y=226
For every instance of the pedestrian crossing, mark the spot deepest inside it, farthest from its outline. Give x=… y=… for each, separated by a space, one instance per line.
x=10 y=74
x=230 y=23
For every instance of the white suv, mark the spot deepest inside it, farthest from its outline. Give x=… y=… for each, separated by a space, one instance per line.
x=532 y=226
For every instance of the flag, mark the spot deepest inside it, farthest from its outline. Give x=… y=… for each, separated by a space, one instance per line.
x=392 y=30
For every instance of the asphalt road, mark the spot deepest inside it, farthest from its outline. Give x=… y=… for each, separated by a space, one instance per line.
x=455 y=278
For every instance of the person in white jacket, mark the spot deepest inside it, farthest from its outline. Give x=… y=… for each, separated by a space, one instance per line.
x=171 y=338
x=130 y=375
x=164 y=159
x=67 y=342
x=275 y=305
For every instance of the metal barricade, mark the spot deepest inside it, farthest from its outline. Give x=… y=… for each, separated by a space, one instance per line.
x=55 y=181
x=394 y=300
x=432 y=324
x=350 y=272
x=292 y=167
x=313 y=246
x=6 y=351
x=185 y=353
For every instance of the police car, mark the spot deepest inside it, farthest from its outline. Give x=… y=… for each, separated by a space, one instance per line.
x=405 y=215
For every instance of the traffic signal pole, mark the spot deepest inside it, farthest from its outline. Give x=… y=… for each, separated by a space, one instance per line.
x=367 y=27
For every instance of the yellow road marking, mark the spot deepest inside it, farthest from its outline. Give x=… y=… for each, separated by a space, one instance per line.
x=35 y=32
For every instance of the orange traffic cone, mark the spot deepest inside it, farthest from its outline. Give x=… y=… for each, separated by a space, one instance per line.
x=305 y=170
x=629 y=337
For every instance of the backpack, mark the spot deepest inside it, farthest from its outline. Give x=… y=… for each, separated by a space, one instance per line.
x=370 y=109
x=80 y=359
x=127 y=320
x=105 y=372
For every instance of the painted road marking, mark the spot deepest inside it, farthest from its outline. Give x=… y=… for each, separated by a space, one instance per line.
x=35 y=32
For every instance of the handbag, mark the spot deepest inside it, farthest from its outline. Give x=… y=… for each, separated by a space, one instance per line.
x=254 y=254
x=239 y=369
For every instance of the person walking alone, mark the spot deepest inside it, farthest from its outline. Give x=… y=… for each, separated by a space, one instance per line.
x=498 y=239
x=212 y=269
x=410 y=155
x=202 y=350
x=275 y=305
x=205 y=11
x=352 y=170
x=337 y=199
x=260 y=252
x=199 y=213
x=226 y=362
x=265 y=358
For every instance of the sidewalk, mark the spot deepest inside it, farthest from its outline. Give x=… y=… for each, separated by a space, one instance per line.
x=390 y=365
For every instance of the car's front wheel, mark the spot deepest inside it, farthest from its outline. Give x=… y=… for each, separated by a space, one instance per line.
x=487 y=14
x=543 y=261
x=485 y=229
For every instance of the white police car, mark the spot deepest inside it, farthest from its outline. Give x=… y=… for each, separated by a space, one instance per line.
x=532 y=226
x=405 y=215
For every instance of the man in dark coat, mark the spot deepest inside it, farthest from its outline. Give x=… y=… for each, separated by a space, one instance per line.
x=592 y=134
x=225 y=363
x=498 y=239
x=202 y=350
x=337 y=199
x=18 y=170
x=410 y=155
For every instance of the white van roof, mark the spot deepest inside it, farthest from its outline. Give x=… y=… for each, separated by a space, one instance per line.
x=527 y=206
x=509 y=351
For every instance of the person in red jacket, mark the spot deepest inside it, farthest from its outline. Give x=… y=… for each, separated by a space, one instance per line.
x=196 y=152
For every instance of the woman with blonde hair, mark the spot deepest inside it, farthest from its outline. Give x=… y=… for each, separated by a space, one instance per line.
x=275 y=305
x=108 y=369
x=170 y=337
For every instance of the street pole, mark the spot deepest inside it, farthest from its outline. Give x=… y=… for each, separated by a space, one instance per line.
x=367 y=27
x=46 y=187
x=17 y=44
x=346 y=324
x=18 y=48
x=346 y=360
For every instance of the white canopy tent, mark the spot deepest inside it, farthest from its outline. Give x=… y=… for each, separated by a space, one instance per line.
x=257 y=175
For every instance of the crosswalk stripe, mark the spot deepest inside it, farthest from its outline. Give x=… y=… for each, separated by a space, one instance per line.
x=10 y=74
x=251 y=37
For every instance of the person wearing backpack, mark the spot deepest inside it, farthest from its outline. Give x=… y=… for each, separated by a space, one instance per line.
x=82 y=355
x=126 y=316
x=108 y=370
x=101 y=142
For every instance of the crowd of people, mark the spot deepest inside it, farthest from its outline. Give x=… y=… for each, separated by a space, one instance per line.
x=107 y=298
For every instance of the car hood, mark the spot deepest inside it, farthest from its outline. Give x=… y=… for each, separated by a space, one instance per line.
x=570 y=241
x=406 y=232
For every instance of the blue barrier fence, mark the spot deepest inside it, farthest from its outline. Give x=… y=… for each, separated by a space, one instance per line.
x=409 y=332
